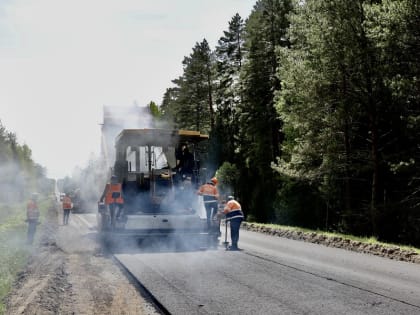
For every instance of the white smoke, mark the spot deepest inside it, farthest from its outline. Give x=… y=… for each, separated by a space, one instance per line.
x=115 y=120
x=86 y=184
x=12 y=185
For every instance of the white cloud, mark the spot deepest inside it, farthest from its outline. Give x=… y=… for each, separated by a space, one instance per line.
x=62 y=60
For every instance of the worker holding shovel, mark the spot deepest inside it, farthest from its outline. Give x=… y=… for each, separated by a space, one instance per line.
x=235 y=217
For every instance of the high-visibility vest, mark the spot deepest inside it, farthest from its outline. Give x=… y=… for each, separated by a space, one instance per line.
x=113 y=194
x=66 y=203
x=209 y=192
x=233 y=210
x=32 y=212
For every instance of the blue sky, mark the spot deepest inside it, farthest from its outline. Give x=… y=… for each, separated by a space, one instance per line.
x=62 y=60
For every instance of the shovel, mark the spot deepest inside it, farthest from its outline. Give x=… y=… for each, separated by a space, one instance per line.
x=226 y=243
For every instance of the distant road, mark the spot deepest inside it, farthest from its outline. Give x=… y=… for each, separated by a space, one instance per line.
x=275 y=275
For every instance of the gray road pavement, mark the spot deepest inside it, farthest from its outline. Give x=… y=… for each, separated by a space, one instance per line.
x=276 y=276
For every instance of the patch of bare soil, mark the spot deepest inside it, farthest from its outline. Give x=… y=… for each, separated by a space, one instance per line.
x=392 y=252
x=68 y=274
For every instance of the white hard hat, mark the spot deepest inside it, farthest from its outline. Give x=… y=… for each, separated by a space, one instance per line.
x=230 y=198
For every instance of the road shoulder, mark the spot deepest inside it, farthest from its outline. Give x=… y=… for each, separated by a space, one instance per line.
x=68 y=274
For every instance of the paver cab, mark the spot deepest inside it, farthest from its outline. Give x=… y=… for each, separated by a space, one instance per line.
x=158 y=186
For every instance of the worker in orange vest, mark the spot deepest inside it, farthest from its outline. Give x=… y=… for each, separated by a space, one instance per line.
x=235 y=216
x=32 y=216
x=67 y=206
x=113 y=198
x=210 y=197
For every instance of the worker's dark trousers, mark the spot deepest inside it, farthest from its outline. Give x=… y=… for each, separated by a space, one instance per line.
x=211 y=209
x=31 y=230
x=235 y=224
x=66 y=214
x=115 y=211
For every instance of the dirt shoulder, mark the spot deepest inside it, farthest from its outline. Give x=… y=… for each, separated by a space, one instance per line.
x=68 y=274
x=390 y=251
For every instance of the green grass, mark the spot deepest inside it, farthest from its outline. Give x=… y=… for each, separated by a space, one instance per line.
x=366 y=240
x=13 y=256
x=14 y=252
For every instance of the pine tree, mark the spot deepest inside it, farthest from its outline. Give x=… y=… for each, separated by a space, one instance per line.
x=168 y=107
x=229 y=59
x=265 y=32
x=190 y=102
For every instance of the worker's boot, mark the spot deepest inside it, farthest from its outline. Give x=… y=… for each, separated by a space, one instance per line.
x=233 y=247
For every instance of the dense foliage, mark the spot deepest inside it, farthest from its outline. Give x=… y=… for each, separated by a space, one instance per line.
x=349 y=101
x=315 y=105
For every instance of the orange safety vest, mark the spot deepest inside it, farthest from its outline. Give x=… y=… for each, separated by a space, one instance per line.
x=66 y=203
x=113 y=194
x=233 y=210
x=209 y=192
x=232 y=205
x=32 y=212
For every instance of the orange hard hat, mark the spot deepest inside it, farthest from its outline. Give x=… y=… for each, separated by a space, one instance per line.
x=214 y=180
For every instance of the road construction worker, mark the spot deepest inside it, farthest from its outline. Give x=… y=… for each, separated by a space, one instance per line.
x=32 y=217
x=235 y=216
x=67 y=205
x=210 y=197
x=113 y=198
x=185 y=163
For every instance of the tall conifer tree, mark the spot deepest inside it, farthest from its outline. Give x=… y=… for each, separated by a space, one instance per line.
x=191 y=100
x=228 y=92
x=260 y=127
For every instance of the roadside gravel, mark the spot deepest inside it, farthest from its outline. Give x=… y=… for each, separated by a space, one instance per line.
x=68 y=274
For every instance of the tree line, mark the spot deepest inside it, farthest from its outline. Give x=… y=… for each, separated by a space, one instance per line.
x=20 y=175
x=313 y=108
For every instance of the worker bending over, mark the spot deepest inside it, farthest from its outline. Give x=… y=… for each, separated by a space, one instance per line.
x=235 y=216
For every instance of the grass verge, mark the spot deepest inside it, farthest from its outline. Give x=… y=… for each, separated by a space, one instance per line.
x=14 y=251
x=365 y=240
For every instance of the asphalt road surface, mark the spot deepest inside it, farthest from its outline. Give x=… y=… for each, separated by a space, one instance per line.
x=273 y=275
